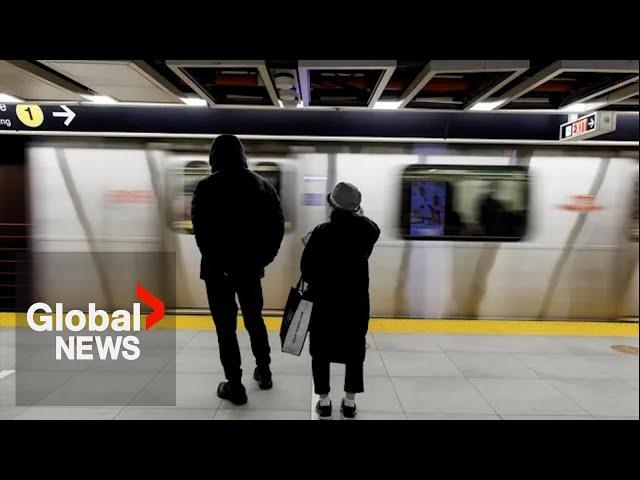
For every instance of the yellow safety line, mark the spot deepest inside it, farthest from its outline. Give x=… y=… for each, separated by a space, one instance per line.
x=406 y=325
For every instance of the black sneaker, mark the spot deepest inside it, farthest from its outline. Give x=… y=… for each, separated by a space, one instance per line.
x=236 y=394
x=323 y=411
x=348 y=412
x=263 y=377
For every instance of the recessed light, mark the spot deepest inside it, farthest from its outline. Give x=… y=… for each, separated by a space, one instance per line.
x=386 y=105
x=9 y=99
x=486 y=106
x=100 y=99
x=582 y=107
x=194 y=102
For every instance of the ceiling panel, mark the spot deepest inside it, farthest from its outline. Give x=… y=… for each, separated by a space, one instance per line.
x=124 y=80
x=344 y=83
x=564 y=83
x=459 y=84
x=228 y=82
x=23 y=80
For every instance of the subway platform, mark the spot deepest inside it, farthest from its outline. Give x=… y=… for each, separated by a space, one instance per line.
x=414 y=370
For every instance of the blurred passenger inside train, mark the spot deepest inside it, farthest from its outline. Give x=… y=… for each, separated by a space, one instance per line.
x=453 y=223
x=436 y=211
x=420 y=210
x=493 y=218
x=335 y=264
x=238 y=225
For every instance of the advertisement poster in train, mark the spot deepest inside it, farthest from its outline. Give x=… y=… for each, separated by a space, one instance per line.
x=427 y=208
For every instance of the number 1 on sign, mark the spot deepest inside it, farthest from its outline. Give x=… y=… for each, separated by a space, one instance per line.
x=30 y=115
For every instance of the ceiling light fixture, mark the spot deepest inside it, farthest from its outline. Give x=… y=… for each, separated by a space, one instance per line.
x=487 y=106
x=194 y=102
x=386 y=105
x=582 y=107
x=6 y=98
x=101 y=99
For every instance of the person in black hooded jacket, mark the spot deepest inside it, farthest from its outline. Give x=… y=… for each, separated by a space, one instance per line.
x=238 y=225
x=335 y=264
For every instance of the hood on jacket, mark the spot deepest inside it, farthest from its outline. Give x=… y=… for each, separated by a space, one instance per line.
x=227 y=152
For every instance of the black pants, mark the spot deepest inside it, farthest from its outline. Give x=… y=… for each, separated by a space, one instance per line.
x=221 y=292
x=353 y=379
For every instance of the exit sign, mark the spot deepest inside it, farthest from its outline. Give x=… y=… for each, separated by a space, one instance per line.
x=591 y=125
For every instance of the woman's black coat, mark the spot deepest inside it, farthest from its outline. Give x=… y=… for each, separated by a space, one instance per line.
x=335 y=264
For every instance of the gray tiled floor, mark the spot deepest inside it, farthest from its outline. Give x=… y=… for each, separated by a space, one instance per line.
x=592 y=367
x=9 y=413
x=419 y=364
x=450 y=416
x=601 y=397
x=440 y=395
x=407 y=376
x=69 y=413
x=98 y=388
x=516 y=396
x=404 y=342
x=490 y=365
x=247 y=414
x=166 y=413
x=548 y=417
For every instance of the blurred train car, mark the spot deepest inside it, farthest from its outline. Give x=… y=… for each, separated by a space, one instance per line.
x=564 y=245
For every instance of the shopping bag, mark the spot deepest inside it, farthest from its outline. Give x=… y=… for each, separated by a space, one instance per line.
x=295 y=296
x=298 y=328
x=295 y=321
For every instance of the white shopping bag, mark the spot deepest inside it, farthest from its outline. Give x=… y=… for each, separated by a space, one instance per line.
x=298 y=329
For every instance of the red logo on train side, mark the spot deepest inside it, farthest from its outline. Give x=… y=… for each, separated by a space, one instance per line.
x=581 y=203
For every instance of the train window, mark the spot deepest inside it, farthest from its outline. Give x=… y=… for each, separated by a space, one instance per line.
x=183 y=184
x=184 y=181
x=451 y=202
x=634 y=213
x=270 y=171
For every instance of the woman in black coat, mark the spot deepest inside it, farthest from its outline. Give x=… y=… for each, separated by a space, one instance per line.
x=335 y=264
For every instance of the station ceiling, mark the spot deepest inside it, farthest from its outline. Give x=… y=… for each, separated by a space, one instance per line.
x=451 y=85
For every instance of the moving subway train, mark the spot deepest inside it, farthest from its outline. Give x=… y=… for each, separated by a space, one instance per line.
x=468 y=231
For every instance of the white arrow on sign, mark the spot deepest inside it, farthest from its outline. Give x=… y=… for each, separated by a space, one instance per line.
x=591 y=122
x=67 y=113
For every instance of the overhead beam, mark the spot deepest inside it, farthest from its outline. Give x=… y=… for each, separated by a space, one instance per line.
x=517 y=66
x=417 y=84
x=532 y=82
x=157 y=77
x=597 y=92
x=48 y=76
x=382 y=84
x=620 y=95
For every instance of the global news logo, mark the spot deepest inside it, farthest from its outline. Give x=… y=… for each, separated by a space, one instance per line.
x=42 y=318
